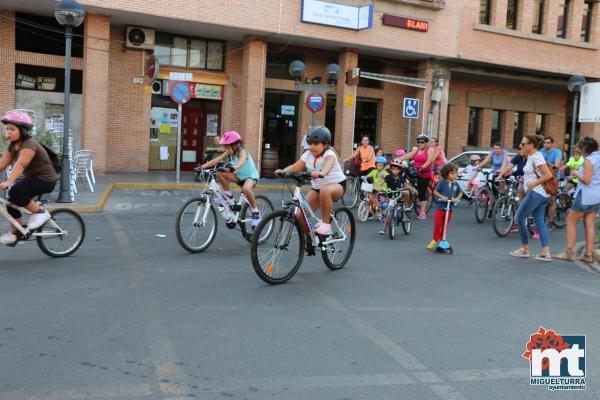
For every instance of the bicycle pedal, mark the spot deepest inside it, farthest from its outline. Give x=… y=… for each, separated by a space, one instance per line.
x=236 y=207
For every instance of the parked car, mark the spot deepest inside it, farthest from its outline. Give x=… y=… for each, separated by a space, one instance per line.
x=462 y=160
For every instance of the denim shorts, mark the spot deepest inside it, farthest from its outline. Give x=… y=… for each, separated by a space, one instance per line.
x=577 y=206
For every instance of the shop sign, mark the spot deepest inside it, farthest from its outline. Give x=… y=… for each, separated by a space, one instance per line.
x=315 y=102
x=181 y=76
x=212 y=92
x=406 y=23
x=339 y=15
x=25 y=82
x=590 y=99
x=46 y=83
x=288 y=110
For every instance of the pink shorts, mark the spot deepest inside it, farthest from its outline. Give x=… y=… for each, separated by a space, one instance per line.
x=474 y=182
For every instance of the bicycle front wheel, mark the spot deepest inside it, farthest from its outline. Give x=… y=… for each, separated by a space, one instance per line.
x=350 y=197
x=390 y=220
x=278 y=257
x=196 y=224
x=482 y=204
x=406 y=223
x=563 y=204
x=336 y=255
x=503 y=216
x=265 y=207
x=62 y=235
x=364 y=208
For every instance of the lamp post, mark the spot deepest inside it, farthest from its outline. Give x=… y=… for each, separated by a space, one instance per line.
x=69 y=14
x=574 y=86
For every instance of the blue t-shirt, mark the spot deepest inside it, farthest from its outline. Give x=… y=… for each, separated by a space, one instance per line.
x=518 y=162
x=551 y=156
x=450 y=190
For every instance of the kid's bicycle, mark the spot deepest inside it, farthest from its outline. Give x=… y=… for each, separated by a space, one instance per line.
x=196 y=223
x=277 y=258
x=61 y=236
x=396 y=214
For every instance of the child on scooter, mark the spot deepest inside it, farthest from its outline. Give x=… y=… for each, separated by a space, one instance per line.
x=446 y=190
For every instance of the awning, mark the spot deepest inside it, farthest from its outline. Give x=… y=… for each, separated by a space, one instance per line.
x=401 y=80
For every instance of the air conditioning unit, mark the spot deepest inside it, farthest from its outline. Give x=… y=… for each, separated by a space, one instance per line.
x=140 y=38
x=157 y=87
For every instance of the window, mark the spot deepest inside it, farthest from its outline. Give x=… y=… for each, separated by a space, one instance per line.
x=368 y=65
x=485 y=11
x=496 y=127
x=561 y=28
x=473 y=129
x=540 y=124
x=538 y=16
x=511 y=14
x=37 y=34
x=278 y=64
x=186 y=52
x=587 y=21
x=518 y=129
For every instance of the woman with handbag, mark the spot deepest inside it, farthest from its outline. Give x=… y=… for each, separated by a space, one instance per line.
x=535 y=175
x=365 y=155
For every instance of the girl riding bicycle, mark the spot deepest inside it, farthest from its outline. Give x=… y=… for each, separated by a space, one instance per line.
x=242 y=170
x=396 y=180
x=31 y=160
x=328 y=179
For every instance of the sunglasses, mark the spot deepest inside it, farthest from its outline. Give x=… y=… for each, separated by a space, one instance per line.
x=523 y=144
x=421 y=141
x=547 y=142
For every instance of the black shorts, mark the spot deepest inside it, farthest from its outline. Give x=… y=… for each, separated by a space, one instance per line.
x=422 y=186
x=25 y=189
x=343 y=183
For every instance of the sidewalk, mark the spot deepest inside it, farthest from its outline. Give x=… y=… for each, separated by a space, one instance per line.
x=88 y=202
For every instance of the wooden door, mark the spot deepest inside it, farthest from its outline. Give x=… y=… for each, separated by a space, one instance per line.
x=192 y=133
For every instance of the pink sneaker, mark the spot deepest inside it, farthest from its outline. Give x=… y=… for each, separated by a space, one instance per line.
x=514 y=229
x=536 y=235
x=323 y=229
x=422 y=215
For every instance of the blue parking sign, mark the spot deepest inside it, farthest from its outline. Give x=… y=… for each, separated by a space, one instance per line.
x=411 y=108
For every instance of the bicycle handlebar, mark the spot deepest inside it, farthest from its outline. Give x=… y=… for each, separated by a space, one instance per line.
x=299 y=177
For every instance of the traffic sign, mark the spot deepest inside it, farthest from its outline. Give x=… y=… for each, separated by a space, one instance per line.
x=152 y=68
x=315 y=102
x=181 y=92
x=411 y=108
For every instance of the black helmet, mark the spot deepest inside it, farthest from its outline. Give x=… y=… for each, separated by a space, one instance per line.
x=319 y=134
x=424 y=138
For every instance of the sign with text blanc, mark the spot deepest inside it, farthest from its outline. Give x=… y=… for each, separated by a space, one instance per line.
x=339 y=15
x=589 y=106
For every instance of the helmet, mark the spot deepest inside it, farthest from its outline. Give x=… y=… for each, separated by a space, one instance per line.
x=474 y=157
x=230 y=138
x=397 y=163
x=380 y=160
x=319 y=134
x=399 y=153
x=423 y=137
x=18 y=118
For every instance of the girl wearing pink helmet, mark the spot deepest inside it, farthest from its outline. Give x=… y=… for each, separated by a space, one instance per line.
x=31 y=160
x=242 y=172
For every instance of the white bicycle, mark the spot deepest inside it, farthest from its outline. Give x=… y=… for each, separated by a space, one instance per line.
x=61 y=236
x=196 y=224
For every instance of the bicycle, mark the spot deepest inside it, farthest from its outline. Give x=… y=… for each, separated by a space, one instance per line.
x=505 y=208
x=353 y=188
x=196 y=223
x=369 y=204
x=60 y=237
x=412 y=174
x=396 y=213
x=289 y=235
x=563 y=200
x=485 y=197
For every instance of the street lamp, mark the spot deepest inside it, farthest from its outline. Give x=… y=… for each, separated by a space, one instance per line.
x=574 y=86
x=69 y=14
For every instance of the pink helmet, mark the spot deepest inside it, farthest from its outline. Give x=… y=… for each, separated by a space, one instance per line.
x=399 y=153
x=230 y=138
x=18 y=118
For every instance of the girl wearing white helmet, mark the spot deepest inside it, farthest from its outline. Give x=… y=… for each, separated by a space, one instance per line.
x=472 y=171
x=242 y=171
x=31 y=160
x=328 y=179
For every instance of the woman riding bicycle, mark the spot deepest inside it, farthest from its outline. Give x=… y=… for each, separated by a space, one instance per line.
x=366 y=154
x=423 y=156
x=242 y=171
x=30 y=160
x=328 y=179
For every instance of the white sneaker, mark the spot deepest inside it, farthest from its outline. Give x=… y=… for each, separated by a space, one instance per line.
x=37 y=220
x=323 y=229
x=8 y=238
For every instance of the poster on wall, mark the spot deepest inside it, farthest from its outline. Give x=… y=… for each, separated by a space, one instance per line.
x=25 y=82
x=590 y=98
x=212 y=124
x=160 y=121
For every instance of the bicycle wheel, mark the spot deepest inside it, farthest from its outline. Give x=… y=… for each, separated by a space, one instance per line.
x=364 y=208
x=563 y=204
x=406 y=224
x=69 y=230
x=503 y=216
x=429 y=199
x=350 y=197
x=265 y=207
x=337 y=254
x=390 y=220
x=196 y=224
x=279 y=256
x=482 y=204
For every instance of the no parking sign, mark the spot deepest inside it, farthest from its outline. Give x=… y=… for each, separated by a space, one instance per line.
x=315 y=102
x=181 y=92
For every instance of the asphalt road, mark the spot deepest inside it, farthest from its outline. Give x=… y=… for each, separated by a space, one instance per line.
x=133 y=316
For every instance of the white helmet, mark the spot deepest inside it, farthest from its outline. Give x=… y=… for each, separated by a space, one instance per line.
x=474 y=157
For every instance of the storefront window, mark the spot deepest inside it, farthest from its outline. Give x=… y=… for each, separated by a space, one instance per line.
x=511 y=14
x=496 y=127
x=561 y=29
x=473 y=129
x=538 y=16
x=540 y=124
x=518 y=129
x=365 y=121
x=485 y=11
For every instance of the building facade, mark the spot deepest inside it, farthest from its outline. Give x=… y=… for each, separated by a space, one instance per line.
x=484 y=71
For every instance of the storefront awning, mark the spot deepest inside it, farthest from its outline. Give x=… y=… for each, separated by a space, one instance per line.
x=401 y=80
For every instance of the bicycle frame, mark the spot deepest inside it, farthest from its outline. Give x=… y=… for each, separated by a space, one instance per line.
x=223 y=201
x=25 y=232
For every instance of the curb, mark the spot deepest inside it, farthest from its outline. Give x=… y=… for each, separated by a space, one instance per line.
x=594 y=267
x=99 y=207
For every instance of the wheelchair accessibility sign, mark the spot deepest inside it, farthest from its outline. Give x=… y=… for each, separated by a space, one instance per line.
x=411 y=108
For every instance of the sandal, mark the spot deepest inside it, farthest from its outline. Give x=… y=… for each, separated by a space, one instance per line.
x=566 y=255
x=586 y=258
x=520 y=252
x=543 y=257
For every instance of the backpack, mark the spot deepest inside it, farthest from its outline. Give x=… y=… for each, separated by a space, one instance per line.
x=56 y=163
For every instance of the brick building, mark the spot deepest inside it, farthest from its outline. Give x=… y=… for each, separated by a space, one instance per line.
x=485 y=71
